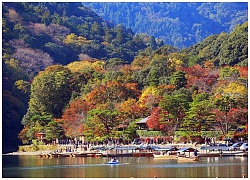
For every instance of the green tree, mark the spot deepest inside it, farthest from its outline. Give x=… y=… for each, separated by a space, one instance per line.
x=46 y=18
x=100 y=124
x=199 y=117
x=54 y=130
x=120 y=34
x=176 y=104
x=178 y=79
x=153 y=77
x=50 y=91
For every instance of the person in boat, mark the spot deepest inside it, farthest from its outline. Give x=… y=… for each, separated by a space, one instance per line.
x=195 y=152
x=114 y=159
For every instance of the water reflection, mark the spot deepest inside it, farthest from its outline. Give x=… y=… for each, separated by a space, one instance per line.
x=142 y=167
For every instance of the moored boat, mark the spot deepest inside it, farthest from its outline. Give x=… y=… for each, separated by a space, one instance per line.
x=244 y=154
x=164 y=156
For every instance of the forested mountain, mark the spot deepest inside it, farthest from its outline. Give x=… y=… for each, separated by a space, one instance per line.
x=63 y=66
x=178 y=23
x=64 y=32
x=37 y=35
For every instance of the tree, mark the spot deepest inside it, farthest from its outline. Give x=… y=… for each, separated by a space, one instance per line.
x=178 y=79
x=46 y=18
x=153 y=121
x=231 y=119
x=50 y=91
x=54 y=130
x=112 y=93
x=229 y=73
x=74 y=118
x=100 y=124
x=149 y=98
x=199 y=117
x=120 y=34
x=238 y=92
x=153 y=77
x=224 y=105
x=129 y=110
x=176 y=104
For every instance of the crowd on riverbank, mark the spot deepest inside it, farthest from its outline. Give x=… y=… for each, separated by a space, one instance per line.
x=91 y=147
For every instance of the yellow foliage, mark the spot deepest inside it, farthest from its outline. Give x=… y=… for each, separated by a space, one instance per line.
x=75 y=40
x=235 y=90
x=79 y=66
x=147 y=92
x=174 y=62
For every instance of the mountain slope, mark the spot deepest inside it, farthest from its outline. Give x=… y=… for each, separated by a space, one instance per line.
x=42 y=34
x=178 y=24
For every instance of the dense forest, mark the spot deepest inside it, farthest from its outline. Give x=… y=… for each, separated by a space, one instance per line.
x=68 y=73
x=177 y=24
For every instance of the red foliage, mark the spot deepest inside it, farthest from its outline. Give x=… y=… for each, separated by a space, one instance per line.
x=243 y=71
x=235 y=116
x=74 y=116
x=154 y=119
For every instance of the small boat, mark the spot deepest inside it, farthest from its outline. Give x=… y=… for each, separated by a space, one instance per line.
x=113 y=161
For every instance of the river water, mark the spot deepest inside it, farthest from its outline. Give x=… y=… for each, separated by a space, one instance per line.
x=138 y=167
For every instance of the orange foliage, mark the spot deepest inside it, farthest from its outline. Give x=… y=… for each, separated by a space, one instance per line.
x=153 y=121
x=243 y=71
x=113 y=92
x=73 y=118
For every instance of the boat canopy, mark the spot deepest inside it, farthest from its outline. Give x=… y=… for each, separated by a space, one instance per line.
x=186 y=150
x=167 y=149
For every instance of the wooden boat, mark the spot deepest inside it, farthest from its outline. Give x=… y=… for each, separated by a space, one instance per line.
x=188 y=159
x=209 y=154
x=244 y=154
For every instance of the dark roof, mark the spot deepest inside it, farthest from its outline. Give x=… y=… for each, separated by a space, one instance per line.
x=186 y=150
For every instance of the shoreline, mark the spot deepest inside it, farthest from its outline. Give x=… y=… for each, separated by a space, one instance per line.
x=88 y=151
x=26 y=153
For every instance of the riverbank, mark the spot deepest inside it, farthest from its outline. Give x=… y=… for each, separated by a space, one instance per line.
x=27 y=153
x=46 y=149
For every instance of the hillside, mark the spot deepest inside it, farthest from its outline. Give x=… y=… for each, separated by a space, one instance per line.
x=63 y=63
x=42 y=34
x=38 y=35
x=177 y=24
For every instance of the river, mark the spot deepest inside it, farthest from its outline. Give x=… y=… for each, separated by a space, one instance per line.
x=138 y=167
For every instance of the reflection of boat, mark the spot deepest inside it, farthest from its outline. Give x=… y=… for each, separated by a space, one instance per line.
x=187 y=159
